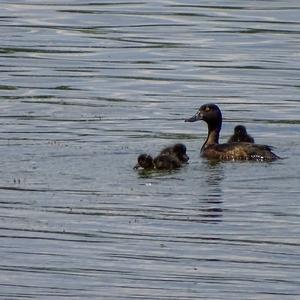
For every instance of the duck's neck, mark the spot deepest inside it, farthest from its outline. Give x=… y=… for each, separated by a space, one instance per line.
x=213 y=135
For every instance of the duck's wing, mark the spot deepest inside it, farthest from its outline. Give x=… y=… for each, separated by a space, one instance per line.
x=242 y=145
x=166 y=162
x=240 y=151
x=167 y=150
x=240 y=139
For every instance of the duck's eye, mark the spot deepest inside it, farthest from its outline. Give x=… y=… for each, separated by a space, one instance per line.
x=207 y=108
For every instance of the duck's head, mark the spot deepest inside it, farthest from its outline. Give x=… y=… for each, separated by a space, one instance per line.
x=145 y=161
x=210 y=113
x=180 y=152
x=240 y=130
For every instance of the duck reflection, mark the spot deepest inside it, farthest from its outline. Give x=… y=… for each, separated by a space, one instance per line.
x=212 y=211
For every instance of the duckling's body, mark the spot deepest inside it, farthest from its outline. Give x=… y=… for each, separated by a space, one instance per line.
x=178 y=151
x=240 y=135
x=166 y=162
x=211 y=149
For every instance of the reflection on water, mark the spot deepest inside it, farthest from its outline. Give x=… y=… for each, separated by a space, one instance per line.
x=206 y=208
x=213 y=176
x=85 y=88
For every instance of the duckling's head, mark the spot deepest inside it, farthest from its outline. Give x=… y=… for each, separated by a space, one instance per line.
x=240 y=130
x=145 y=161
x=210 y=113
x=180 y=152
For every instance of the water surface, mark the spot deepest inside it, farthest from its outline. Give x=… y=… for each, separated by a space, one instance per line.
x=86 y=86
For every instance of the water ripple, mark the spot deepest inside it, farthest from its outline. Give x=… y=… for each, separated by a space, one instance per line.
x=88 y=86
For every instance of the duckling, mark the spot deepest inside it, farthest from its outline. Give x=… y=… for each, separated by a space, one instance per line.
x=211 y=149
x=166 y=162
x=240 y=135
x=145 y=161
x=178 y=151
x=160 y=162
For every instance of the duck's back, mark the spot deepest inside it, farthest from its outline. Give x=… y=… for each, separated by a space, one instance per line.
x=166 y=162
x=178 y=151
x=239 y=151
x=241 y=138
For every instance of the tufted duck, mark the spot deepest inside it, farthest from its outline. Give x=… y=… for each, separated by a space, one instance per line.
x=211 y=149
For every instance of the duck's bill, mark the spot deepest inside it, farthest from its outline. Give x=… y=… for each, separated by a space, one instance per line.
x=185 y=158
x=194 y=118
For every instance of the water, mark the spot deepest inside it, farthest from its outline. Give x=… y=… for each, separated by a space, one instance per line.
x=86 y=86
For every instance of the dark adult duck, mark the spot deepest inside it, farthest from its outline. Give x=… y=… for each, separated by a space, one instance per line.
x=240 y=135
x=211 y=149
x=160 y=162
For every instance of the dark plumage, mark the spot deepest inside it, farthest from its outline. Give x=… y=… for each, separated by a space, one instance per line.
x=166 y=162
x=211 y=149
x=240 y=135
x=145 y=161
x=161 y=162
x=178 y=151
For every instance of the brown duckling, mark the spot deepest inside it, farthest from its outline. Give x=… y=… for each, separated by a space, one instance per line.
x=166 y=162
x=145 y=161
x=211 y=149
x=240 y=135
x=160 y=162
x=177 y=150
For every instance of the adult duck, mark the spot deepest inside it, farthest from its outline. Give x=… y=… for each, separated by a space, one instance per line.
x=211 y=149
